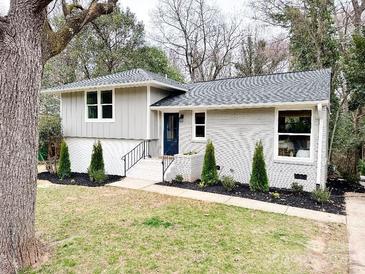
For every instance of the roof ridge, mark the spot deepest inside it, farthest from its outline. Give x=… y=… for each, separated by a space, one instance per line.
x=260 y=75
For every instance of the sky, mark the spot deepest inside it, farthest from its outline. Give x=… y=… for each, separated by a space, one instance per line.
x=143 y=8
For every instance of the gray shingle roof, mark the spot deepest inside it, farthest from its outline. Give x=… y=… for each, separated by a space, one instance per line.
x=274 y=88
x=125 y=77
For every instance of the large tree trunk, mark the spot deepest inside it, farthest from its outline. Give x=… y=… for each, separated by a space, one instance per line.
x=20 y=78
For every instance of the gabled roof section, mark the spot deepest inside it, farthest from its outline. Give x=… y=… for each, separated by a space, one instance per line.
x=291 y=87
x=130 y=78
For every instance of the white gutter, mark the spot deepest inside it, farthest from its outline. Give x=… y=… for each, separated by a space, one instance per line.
x=320 y=146
x=120 y=85
x=148 y=99
x=237 y=106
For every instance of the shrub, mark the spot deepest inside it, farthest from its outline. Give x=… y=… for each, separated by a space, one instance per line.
x=202 y=184
x=275 y=195
x=228 y=183
x=64 y=167
x=361 y=167
x=49 y=126
x=179 y=178
x=209 y=172
x=321 y=195
x=351 y=177
x=96 y=169
x=259 y=180
x=97 y=176
x=296 y=187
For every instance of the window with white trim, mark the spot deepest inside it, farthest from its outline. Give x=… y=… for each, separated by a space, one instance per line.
x=99 y=105
x=199 y=125
x=294 y=133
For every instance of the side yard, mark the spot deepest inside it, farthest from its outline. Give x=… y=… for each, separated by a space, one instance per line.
x=110 y=230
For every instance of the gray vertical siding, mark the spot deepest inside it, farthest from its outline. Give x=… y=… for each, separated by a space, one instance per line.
x=130 y=116
x=234 y=134
x=156 y=95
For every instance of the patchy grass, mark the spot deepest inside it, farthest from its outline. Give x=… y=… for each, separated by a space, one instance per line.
x=110 y=230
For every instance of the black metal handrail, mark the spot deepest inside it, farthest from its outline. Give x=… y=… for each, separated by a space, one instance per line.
x=167 y=160
x=140 y=151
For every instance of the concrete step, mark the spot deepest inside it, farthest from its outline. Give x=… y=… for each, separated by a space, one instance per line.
x=147 y=169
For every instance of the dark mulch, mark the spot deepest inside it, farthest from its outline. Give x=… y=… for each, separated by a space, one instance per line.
x=80 y=179
x=336 y=204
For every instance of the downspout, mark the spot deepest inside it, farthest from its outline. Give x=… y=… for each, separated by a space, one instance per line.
x=320 y=144
x=148 y=118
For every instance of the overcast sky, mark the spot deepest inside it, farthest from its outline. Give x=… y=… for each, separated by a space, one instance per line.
x=143 y=8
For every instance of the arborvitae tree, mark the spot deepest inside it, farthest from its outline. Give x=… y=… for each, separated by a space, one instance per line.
x=64 y=168
x=96 y=169
x=209 y=172
x=259 y=180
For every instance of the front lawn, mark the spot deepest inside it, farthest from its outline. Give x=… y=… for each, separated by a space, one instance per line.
x=111 y=230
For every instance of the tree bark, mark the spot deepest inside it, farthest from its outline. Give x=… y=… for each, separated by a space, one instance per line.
x=20 y=78
x=27 y=41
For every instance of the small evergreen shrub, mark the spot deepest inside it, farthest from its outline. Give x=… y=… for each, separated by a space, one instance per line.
x=259 y=180
x=228 y=183
x=209 y=173
x=202 y=184
x=296 y=187
x=321 y=195
x=275 y=195
x=179 y=179
x=96 y=169
x=64 y=167
x=97 y=176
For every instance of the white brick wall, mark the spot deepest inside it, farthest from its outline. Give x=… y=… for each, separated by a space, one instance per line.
x=113 y=149
x=234 y=134
x=189 y=166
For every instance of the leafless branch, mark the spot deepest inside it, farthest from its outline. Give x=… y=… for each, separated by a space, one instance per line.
x=55 y=42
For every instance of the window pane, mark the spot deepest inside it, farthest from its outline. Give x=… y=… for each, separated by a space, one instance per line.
x=294 y=146
x=295 y=121
x=200 y=131
x=200 y=118
x=171 y=128
x=92 y=112
x=107 y=97
x=92 y=98
x=107 y=112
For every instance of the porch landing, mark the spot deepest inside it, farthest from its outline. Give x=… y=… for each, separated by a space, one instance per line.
x=149 y=169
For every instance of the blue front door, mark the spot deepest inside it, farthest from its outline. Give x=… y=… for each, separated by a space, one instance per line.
x=171 y=133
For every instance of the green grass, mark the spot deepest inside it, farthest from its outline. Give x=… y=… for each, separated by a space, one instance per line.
x=110 y=230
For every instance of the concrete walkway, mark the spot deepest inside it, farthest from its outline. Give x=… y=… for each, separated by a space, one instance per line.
x=355 y=208
x=151 y=186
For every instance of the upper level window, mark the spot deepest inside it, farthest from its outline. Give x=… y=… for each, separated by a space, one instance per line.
x=199 y=125
x=294 y=133
x=99 y=105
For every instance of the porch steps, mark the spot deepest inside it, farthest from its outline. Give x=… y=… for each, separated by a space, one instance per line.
x=147 y=169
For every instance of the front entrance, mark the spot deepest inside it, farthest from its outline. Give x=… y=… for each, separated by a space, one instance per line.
x=171 y=134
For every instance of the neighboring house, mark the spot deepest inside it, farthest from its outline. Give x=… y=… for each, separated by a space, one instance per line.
x=287 y=111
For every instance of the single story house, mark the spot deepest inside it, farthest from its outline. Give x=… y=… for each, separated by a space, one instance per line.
x=137 y=113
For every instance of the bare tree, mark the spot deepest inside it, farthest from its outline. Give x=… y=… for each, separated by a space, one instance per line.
x=197 y=33
x=27 y=41
x=258 y=56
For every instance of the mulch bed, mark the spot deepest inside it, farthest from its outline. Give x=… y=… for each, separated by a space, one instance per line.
x=336 y=204
x=80 y=179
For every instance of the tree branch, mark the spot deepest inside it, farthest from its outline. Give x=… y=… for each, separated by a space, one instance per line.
x=55 y=42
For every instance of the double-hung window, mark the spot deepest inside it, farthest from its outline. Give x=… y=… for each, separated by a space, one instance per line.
x=99 y=105
x=199 y=125
x=294 y=134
